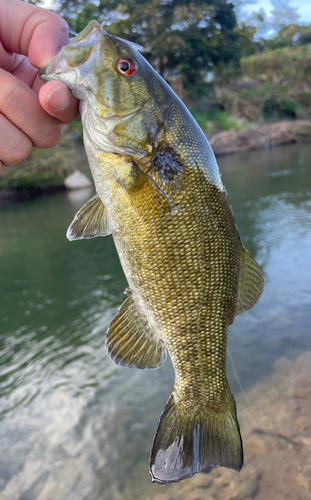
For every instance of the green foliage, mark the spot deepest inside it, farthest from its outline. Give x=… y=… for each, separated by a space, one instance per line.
x=276 y=108
x=185 y=37
x=291 y=35
x=274 y=84
x=286 y=64
x=215 y=120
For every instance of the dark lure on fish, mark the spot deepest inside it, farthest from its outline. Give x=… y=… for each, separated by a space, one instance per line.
x=160 y=195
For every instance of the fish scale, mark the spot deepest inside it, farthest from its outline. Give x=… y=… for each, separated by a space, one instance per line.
x=160 y=195
x=170 y=273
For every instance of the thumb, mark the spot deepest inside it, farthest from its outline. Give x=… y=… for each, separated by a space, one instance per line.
x=38 y=33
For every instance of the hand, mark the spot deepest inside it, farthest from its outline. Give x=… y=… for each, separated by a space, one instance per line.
x=31 y=112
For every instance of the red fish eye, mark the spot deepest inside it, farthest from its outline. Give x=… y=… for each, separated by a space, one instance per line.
x=126 y=66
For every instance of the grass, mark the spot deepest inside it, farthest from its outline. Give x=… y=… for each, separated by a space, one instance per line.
x=217 y=120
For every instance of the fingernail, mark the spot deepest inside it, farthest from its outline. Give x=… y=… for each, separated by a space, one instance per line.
x=58 y=99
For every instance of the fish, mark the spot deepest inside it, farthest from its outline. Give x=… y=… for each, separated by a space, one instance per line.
x=159 y=193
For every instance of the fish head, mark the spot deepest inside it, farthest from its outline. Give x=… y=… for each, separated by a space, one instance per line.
x=115 y=85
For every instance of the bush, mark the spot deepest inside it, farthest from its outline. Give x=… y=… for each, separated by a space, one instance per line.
x=274 y=85
x=286 y=64
x=216 y=119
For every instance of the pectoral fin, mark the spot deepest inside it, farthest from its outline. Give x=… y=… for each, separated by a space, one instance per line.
x=251 y=282
x=90 y=221
x=162 y=197
x=130 y=342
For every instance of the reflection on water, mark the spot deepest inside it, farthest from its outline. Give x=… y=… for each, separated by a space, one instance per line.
x=75 y=426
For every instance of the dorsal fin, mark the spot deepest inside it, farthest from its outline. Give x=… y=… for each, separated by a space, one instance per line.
x=251 y=282
x=130 y=342
x=90 y=221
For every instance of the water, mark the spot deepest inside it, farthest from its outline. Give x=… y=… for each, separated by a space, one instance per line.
x=72 y=424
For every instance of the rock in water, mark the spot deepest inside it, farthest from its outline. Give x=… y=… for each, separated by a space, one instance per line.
x=77 y=180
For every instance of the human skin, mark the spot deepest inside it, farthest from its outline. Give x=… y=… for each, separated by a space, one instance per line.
x=32 y=114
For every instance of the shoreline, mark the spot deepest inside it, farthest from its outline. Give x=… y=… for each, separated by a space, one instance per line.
x=16 y=194
x=265 y=137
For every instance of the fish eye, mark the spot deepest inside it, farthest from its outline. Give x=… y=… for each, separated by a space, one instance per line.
x=126 y=66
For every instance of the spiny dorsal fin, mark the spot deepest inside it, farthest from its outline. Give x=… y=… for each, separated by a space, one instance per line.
x=130 y=341
x=90 y=221
x=251 y=282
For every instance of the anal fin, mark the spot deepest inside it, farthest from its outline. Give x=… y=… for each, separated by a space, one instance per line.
x=90 y=221
x=130 y=342
x=251 y=282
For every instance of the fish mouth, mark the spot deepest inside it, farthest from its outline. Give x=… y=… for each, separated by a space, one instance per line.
x=41 y=74
x=90 y=36
x=55 y=69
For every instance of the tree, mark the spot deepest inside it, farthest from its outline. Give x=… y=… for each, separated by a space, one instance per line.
x=187 y=37
x=283 y=14
x=291 y=35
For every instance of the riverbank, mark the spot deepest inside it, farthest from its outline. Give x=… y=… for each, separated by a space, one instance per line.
x=267 y=136
x=45 y=171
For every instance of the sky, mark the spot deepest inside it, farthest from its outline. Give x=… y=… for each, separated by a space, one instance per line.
x=304 y=8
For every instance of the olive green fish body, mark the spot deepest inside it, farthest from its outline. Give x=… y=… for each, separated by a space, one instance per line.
x=183 y=271
x=160 y=195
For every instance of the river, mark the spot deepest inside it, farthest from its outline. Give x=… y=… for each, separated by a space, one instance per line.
x=75 y=426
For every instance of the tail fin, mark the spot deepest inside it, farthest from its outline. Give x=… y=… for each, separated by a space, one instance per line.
x=186 y=443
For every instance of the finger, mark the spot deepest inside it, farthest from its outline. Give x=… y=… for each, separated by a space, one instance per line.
x=21 y=106
x=15 y=146
x=20 y=67
x=58 y=101
x=38 y=33
x=24 y=71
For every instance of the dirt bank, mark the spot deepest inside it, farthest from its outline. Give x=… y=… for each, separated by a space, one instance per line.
x=267 y=136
